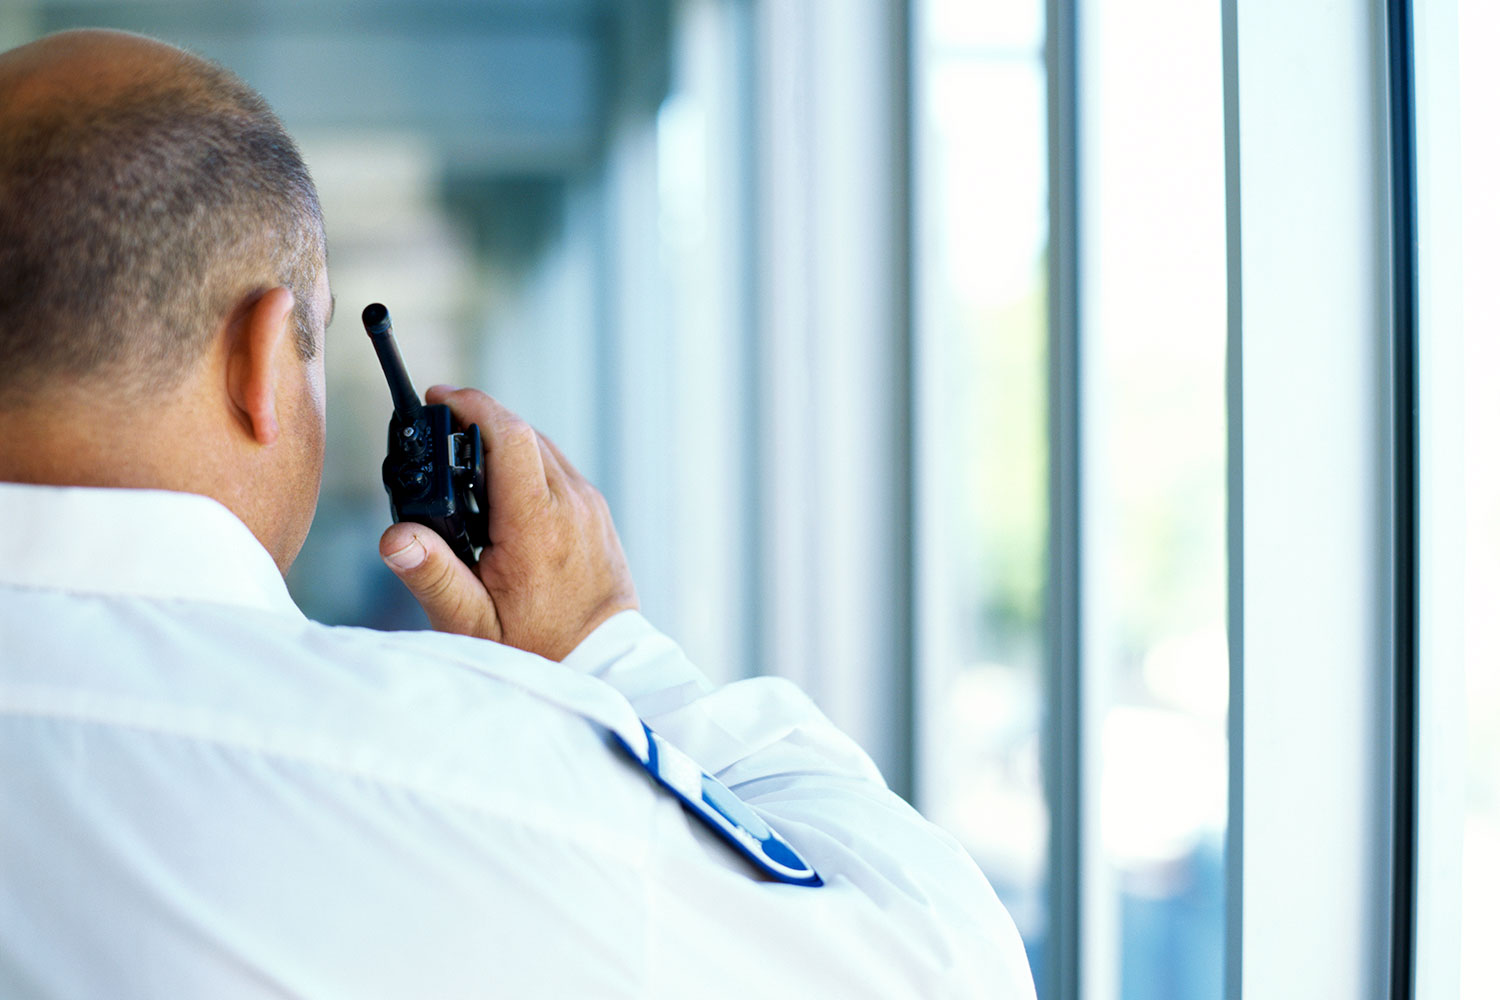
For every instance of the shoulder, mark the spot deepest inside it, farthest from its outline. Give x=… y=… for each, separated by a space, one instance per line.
x=458 y=721
x=390 y=809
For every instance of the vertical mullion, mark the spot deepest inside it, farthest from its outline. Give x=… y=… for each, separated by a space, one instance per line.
x=1402 y=109
x=904 y=685
x=755 y=499
x=1064 y=764
x=1234 y=455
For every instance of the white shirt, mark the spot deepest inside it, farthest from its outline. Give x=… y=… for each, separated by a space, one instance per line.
x=204 y=794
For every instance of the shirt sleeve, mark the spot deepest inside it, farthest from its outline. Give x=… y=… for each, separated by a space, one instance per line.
x=903 y=909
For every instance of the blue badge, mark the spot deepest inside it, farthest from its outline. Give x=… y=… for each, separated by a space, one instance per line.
x=725 y=812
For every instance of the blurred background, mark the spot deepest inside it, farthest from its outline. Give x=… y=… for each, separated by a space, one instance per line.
x=775 y=275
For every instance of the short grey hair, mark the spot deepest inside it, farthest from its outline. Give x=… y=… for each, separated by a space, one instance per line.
x=131 y=227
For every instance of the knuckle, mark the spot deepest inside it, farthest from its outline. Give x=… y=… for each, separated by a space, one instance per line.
x=513 y=430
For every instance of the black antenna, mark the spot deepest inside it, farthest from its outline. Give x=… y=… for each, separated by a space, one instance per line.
x=377 y=320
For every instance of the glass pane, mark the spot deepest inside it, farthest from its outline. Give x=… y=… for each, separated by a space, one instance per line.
x=1479 y=31
x=1154 y=336
x=982 y=407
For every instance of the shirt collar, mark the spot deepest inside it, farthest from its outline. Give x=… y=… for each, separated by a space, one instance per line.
x=135 y=543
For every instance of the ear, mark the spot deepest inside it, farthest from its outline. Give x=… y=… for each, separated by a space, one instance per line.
x=257 y=337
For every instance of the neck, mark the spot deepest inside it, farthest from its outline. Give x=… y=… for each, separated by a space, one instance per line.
x=180 y=442
x=78 y=438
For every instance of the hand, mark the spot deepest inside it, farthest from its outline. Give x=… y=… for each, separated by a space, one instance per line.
x=554 y=569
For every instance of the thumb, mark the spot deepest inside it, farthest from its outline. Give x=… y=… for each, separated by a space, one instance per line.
x=453 y=597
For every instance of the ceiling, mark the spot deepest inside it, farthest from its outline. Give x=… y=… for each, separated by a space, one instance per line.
x=497 y=87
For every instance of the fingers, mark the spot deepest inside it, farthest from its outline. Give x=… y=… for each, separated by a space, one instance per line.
x=453 y=597
x=519 y=483
x=554 y=569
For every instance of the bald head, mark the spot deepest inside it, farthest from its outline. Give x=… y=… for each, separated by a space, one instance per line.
x=145 y=195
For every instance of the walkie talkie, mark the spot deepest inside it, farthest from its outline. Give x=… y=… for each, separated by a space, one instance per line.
x=433 y=471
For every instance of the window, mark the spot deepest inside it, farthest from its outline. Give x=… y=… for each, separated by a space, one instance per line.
x=1148 y=810
x=1152 y=340
x=1479 y=110
x=1458 y=730
x=981 y=251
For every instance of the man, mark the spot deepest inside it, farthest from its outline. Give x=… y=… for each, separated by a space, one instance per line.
x=205 y=794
